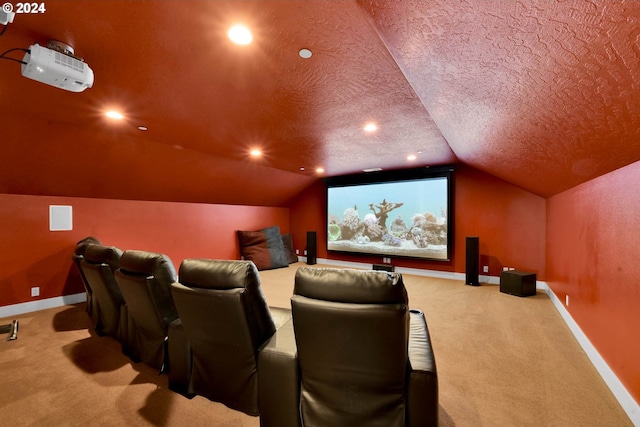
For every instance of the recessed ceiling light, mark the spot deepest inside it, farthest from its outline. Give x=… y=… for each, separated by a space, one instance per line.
x=255 y=153
x=143 y=128
x=305 y=53
x=320 y=170
x=301 y=169
x=411 y=157
x=372 y=170
x=370 y=127
x=239 y=34
x=115 y=115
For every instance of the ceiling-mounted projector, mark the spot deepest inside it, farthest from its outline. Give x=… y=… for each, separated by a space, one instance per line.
x=55 y=65
x=6 y=17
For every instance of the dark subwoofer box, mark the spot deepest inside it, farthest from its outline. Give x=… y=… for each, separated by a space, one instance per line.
x=518 y=283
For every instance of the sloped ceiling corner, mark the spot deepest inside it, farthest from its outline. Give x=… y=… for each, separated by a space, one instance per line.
x=542 y=94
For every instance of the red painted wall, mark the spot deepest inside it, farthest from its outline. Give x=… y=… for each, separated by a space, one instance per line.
x=34 y=256
x=509 y=221
x=593 y=255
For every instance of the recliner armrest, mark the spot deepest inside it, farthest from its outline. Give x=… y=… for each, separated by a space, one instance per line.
x=279 y=379
x=422 y=393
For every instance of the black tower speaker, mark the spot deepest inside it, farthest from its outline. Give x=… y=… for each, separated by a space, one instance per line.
x=473 y=261
x=311 y=247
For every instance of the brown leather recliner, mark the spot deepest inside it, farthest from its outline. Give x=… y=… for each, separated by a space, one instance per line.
x=226 y=320
x=145 y=281
x=98 y=266
x=77 y=257
x=359 y=356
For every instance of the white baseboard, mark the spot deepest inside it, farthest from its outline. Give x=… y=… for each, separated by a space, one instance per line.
x=41 y=304
x=625 y=399
x=484 y=279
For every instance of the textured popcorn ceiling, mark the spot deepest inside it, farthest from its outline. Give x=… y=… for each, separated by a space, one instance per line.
x=542 y=94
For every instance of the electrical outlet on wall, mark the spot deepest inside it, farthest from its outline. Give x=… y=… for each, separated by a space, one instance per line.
x=297 y=251
x=566 y=300
x=35 y=291
x=485 y=269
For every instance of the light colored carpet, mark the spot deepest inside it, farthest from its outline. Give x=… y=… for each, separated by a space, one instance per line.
x=502 y=361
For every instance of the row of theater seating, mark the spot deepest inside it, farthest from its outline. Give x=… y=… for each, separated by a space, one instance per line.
x=349 y=352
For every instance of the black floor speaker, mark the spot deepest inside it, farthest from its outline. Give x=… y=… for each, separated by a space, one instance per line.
x=311 y=248
x=473 y=261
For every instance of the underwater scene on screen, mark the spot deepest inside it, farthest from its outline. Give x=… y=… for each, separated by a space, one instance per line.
x=404 y=218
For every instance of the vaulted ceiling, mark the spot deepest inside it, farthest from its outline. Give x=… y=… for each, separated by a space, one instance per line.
x=544 y=94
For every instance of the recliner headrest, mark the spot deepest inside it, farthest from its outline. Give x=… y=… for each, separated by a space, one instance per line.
x=82 y=245
x=350 y=286
x=99 y=254
x=148 y=264
x=218 y=274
